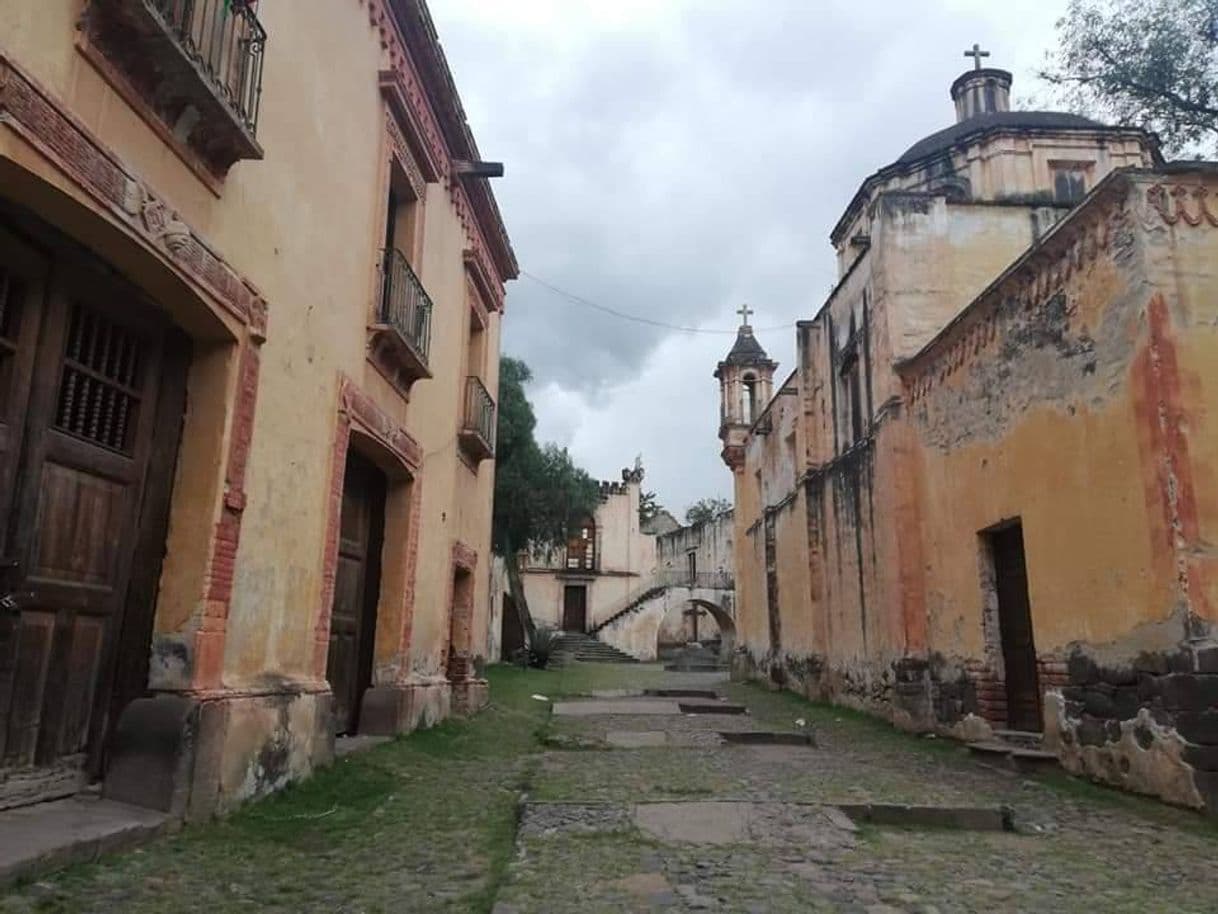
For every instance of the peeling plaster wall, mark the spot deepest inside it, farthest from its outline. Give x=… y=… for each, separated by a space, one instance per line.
x=1074 y=395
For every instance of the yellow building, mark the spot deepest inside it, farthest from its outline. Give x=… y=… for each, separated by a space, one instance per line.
x=251 y=284
x=981 y=501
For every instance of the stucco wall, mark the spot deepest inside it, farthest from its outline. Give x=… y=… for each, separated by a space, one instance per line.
x=305 y=227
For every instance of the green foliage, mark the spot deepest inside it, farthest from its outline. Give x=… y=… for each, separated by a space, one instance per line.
x=539 y=491
x=649 y=507
x=1153 y=63
x=543 y=646
x=705 y=509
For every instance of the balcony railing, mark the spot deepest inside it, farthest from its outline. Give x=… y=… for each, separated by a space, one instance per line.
x=405 y=304
x=400 y=338
x=478 y=423
x=701 y=580
x=193 y=67
x=226 y=41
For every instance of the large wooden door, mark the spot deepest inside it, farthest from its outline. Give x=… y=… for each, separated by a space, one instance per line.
x=356 y=590
x=1015 y=629
x=82 y=368
x=575 y=608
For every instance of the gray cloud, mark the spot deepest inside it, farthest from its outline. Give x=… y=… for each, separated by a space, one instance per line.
x=674 y=159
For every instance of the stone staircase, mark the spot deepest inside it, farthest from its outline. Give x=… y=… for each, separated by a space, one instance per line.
x=578 y=646
x=1018 y=749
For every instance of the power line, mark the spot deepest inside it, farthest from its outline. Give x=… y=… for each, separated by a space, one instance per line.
x=605 y=309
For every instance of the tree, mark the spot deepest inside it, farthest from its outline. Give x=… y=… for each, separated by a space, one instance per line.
x=539 y=492
x=1153 y=63
x=649 y=507
x=705 y=509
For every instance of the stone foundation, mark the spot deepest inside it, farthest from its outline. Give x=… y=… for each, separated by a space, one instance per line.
x=470 y=696
x=388 y=710
x=197 y=756
x=1149 y=726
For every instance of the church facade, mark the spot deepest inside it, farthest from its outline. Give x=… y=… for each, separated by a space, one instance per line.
x=249 y=333
x=983 y=501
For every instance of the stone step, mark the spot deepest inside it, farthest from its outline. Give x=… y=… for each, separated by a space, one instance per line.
x=1012 y=756
x=1025 y=739
x=47 y=836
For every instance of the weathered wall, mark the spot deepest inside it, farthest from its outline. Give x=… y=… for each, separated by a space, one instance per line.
x=626 y=562
x=320 y=189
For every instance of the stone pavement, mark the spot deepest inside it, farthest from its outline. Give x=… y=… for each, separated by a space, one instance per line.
x=637 y=806
x=73 y=830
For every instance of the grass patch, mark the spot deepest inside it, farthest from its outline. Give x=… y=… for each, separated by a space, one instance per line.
x=424 y=822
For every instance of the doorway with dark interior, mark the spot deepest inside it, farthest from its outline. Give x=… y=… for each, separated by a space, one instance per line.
x=1006 y=551
x=575 y=608
x=511 y=633
x=357 y=587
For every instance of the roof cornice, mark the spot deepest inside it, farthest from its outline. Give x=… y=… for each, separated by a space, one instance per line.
x=901 y=168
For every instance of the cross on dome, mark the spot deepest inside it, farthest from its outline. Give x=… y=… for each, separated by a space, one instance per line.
x=976 y=53
x=744 y=311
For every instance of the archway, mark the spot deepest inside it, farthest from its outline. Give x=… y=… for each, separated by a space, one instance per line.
x=727 y=625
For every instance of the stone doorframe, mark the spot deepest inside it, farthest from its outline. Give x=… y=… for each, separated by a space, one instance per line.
x=363 y=426
x=469 y=693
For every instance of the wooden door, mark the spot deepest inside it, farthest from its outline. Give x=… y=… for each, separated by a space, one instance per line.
x=356 y=590
x=575 y=608
x=83 y=369
x=1015 y=628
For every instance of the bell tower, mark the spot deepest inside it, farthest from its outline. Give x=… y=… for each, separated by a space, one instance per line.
x=746 y=384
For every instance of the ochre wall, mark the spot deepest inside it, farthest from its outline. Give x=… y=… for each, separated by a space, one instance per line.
x=305 y=227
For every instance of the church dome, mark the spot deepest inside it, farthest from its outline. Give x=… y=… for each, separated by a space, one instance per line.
x=946 y=139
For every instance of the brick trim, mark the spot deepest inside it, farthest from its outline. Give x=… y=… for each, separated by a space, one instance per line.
x=131 y=203
x=410 y=96
x=464 y=557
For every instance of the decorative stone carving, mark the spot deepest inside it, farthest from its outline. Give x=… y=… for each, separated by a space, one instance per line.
x=46 y=124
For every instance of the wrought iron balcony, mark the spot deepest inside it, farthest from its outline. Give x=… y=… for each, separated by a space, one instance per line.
x=478 y=424
x=226 y=41
x=196 y=63
x=401 y=336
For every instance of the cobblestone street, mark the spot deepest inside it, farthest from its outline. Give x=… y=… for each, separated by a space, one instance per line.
x=695 y=824
x=525 y=809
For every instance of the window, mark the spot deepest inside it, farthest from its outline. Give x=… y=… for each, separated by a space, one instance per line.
x=854 y=398
x=477 y=437
x=1069 y=183
x=581 y=547
x=691 y=564
x=403 y=222
x=749 y=398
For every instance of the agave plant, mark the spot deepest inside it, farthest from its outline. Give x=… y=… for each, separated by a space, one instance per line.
x=543 y=646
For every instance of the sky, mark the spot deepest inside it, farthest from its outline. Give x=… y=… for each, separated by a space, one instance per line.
x=674 y=159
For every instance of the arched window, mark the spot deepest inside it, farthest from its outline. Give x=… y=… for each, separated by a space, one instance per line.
x=749 y=406
x=581 y=546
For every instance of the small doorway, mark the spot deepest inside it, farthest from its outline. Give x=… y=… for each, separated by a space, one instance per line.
x=511 y=635
x=357 y=587
x=575 y=608
x=1015 y=628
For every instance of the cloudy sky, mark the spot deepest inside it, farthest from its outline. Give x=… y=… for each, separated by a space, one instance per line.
x=675 y=158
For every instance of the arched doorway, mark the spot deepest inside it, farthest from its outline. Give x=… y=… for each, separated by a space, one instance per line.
x=727 y=625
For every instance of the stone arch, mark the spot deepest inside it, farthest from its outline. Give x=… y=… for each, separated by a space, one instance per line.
x=727 y=625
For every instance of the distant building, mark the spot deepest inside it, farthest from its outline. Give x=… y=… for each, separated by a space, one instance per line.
x=251 y=284
x=983 y=500
x=639 y=591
